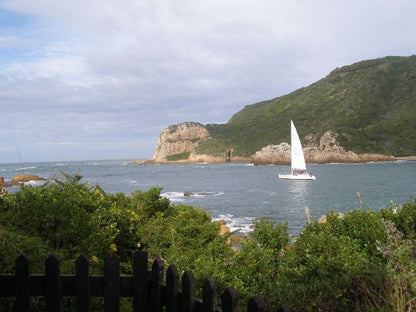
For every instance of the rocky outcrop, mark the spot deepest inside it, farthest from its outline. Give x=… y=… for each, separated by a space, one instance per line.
x=273 y=154
x=20 y=178
x=224 y=229
x=326 y=151
x=179 y=139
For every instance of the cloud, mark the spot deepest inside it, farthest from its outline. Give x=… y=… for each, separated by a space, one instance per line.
x=119 y=72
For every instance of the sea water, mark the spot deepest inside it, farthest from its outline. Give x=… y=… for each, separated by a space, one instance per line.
x=239 y=193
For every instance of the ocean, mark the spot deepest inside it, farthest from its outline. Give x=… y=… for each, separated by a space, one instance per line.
x=241 y=192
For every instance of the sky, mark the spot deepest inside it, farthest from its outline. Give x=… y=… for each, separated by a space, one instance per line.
x=101 y=79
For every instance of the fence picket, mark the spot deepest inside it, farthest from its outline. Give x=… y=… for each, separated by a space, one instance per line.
x=82 y=284
x=255 y=304
x=229 y=300
x=209 y=296
x=141 y=282
x=188 y=291
x=22 y=284
x=172 y=289
x=156 y=287
x=53 y=284
x=111 y=283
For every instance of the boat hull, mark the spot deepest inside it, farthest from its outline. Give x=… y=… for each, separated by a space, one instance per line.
x=297 y=176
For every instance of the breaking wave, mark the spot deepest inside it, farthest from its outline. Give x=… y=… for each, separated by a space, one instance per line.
x=242 y=225
x=182 y=196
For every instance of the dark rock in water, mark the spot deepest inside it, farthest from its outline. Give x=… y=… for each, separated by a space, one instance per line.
x=187 y=194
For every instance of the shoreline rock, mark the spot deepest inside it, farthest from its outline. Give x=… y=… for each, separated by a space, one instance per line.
x=20 y=178
x=328 y=150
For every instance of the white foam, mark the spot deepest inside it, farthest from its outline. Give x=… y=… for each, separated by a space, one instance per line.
x=130 y=181
x=242 y=225
x=25 y=168
x=34 y=182
x=180 y=196
x=173 y=196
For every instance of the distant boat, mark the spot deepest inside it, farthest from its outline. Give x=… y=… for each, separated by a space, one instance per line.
x=297 y=162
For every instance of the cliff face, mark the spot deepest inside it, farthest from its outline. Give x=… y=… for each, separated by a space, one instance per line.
x=178 y=139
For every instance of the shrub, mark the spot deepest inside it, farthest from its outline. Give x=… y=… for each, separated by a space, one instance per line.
x=404 y=216
x=325 y=271
x=180 y=156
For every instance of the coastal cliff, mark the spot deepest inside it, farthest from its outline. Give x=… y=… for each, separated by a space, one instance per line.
x=178 y=143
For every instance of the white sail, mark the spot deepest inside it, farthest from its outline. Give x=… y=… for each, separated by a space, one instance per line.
x=298 y=159
x=298 y=166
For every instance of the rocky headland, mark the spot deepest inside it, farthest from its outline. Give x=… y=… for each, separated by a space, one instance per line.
x=178 y=143
x=179 y=139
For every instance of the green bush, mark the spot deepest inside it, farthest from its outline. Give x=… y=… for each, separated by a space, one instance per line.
x=180 y=156
x=328 y=271
x=404 y=216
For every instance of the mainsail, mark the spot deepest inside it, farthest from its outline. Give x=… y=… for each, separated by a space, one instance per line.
x=298 y=159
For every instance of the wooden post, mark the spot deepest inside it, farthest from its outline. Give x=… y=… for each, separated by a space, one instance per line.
x=82 y=284
x=188 y=291
x=156 y=286
x=229 y=300
x=111 y=283
x=172 y=289
x=209 y=296
x=255 y=304
x=53 y=284
x=22 y=284
x=141 y=282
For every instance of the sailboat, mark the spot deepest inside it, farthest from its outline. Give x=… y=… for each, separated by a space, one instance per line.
x=297 y=163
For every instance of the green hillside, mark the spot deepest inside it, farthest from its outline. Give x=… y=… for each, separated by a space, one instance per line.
x=370 y=104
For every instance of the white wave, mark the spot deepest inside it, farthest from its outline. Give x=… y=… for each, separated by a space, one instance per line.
x=130 y=181
x=173 y=196
x=178 y=196
x=242 y=225
x=34 y=183
x=25 y=168
x=205 y=194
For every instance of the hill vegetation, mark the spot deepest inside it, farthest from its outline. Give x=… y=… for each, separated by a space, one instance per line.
x=371 y=105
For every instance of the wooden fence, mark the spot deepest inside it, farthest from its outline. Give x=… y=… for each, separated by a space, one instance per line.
x=146 y=288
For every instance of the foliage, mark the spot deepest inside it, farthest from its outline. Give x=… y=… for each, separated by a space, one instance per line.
x=363 y=261
x=401 y=269
x=180 y=156
x=328 y=270
x=404 y=217
x=256 y=266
